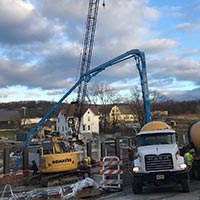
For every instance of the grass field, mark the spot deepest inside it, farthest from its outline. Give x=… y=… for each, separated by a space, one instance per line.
x=8 y=134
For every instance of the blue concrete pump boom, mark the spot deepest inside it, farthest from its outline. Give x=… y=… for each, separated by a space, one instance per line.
x=141 y=66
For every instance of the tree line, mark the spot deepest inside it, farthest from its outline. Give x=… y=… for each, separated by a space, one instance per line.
x=103 y=94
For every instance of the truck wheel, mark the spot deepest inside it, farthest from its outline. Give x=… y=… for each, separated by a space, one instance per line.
x=196 y=171
x=185 y=183
x=137 y=187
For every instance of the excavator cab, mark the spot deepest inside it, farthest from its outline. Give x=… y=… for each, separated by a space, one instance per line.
x=46 y=148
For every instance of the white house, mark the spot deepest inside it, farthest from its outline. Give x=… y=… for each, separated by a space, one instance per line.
x=62 y=122
x=89 y=120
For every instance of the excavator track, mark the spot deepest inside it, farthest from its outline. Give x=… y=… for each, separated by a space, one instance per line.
x=34 y=180
x=58 y=180
x=48 y=180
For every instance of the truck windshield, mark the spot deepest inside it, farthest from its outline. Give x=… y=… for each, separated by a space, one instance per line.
x=155 y=139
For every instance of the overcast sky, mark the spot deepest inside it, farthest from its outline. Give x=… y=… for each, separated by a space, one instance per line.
x=41 y=43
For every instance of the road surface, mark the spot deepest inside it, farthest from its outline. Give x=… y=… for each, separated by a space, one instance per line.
x=152 y=193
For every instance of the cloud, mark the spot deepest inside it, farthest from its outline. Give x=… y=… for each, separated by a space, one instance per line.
x=32 y=94
x=56 y=92
x=13 y=73
x=188 y=27
x=54 y=61
x=20 y=23
x=6 y=92
x=158 y=45
x=181 y=69
x=188 y=95
x=190 y=53
x=41 y=42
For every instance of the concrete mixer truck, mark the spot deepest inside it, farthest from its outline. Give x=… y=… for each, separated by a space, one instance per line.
x=157 y=159
x=192 y=141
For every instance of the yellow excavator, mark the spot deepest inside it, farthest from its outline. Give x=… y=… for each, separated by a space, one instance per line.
x=56 y=157
x=45 y=132
x=59 y=164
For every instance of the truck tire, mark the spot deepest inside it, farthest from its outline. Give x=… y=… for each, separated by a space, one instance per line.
x=137 y=186
x=196 y=170
x=185 y=183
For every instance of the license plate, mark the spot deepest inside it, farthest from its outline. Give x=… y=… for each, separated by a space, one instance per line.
x=160 y=177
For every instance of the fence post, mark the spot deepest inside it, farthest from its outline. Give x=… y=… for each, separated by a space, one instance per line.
x=6 y=160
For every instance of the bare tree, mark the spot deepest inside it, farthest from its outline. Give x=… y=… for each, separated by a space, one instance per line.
x=16 y=121
x=155 y=98
x=137 y=104
x=103 y=94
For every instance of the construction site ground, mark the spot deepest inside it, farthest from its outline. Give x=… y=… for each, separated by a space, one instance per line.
x=150 y=193
x=17 y=184
x=21 y=189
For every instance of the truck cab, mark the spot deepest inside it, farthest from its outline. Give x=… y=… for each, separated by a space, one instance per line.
x=157 y=158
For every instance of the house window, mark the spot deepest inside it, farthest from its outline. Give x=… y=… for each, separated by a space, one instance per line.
x=88 y=127
x=88 y=118
x=83 y=127
x=58 y=119
x=63 y=128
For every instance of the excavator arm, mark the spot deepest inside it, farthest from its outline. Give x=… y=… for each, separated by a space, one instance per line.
x=141 y=66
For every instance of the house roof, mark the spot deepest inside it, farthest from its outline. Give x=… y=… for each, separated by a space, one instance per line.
x=125 y=109
x=93 y=108
x=9 y=115
x=71 y=109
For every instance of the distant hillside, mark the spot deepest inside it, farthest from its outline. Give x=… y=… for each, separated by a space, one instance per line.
x=32 y=108
x=40 y=108
x=178 y=108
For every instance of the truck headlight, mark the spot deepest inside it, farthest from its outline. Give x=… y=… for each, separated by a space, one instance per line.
x=183 y=166
x=135 y=169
